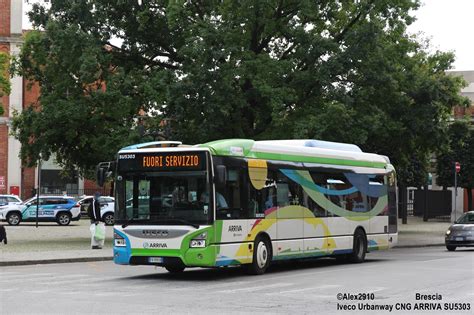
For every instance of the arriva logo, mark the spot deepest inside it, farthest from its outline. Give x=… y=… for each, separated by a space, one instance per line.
x=235 y=228
x=154 y=245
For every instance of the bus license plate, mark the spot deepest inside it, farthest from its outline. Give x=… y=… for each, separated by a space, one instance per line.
x=155 y=260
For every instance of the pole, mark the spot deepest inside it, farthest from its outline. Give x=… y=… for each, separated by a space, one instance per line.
x=455 y=189
x=38 y=191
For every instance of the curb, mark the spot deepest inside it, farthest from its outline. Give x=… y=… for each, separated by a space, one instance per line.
x=53 y=261
x=419 y=245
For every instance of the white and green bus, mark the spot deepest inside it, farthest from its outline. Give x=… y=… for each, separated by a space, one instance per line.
x=246 y=202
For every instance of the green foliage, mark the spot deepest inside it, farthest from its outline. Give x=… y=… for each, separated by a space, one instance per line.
x=460 y=149
x=5 y=86
x=333 y=70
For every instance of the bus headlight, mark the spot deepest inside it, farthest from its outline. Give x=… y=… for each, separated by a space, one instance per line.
x=119 y=241
x=199 y=241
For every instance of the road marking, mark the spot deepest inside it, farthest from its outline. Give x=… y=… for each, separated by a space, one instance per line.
x=213 y=286
x=330 y=286
x=30 y=275
x=262 y=287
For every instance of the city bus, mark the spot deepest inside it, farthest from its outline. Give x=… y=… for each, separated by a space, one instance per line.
x=250 y=203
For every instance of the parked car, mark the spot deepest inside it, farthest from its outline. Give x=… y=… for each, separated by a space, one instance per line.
x=9 y=200
x=107 y=207
x=461 y=233
x=60 y=209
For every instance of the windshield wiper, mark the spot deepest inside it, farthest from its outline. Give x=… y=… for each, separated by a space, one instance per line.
x=128 y=222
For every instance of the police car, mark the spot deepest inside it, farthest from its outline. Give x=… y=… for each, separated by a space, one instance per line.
x=59 y=209
x=9 y=200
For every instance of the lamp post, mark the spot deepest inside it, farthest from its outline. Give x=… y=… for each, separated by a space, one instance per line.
x=39 y=189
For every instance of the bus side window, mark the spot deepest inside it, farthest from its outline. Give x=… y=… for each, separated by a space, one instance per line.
x=317 y=209
x=262 y=200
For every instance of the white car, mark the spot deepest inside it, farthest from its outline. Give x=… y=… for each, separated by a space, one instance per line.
x=107 y=207
x=9 y=200
x=60 y=209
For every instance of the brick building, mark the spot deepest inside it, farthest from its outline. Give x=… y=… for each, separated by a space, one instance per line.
x=14 y=178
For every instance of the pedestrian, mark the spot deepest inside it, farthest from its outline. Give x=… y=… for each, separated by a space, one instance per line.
x=97 y=227
x=3 y=235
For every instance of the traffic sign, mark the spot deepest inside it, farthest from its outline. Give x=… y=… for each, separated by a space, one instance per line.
x=457 y=167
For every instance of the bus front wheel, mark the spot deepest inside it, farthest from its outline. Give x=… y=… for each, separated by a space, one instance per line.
x=359 y=248
x=262 y=256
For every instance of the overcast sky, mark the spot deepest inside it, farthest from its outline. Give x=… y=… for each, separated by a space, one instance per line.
x=446 y=23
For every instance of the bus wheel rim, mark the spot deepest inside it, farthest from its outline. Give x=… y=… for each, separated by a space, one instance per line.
x=262 y=255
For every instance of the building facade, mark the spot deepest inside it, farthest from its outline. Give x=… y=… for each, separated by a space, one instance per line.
x=14 y=178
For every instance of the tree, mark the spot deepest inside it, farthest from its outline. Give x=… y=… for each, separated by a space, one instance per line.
x=343 y=71
x=4 y=80
x=460 y=148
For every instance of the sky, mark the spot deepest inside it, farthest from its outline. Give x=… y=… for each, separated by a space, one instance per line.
x=446 y=23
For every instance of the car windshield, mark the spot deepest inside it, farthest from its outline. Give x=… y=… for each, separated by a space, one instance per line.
x=467 y=218
x=163 y=198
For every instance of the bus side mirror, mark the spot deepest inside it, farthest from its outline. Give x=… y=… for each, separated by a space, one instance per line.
x=221 y=175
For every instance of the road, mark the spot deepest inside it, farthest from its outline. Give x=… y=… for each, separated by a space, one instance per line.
x=305 y=287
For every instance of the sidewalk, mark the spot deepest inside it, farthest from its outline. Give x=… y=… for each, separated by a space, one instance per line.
x=51 y=243
x=417 y=233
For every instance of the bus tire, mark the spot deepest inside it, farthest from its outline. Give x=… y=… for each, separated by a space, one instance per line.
x=262 y=256
x=175 y=268
x=359 y=247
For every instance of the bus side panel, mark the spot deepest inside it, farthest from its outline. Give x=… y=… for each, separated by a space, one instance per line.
x=290 y=237
x=315 y=233
x=378 y=237
x=235 y=246
x=341 y=235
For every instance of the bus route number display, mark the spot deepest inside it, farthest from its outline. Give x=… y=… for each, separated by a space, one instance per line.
x=162 y=161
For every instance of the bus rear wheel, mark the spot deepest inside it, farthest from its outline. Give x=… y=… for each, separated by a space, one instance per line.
x=359 y=248
x=262 y=256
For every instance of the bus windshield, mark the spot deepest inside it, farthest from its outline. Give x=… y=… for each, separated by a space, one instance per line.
x=170 y=198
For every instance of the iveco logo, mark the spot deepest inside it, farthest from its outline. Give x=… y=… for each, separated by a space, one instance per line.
x=155 y=233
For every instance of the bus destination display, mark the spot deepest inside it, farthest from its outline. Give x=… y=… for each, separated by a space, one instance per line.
x=162 y=161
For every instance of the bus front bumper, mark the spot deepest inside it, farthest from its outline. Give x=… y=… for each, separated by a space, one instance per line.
x=191 y=257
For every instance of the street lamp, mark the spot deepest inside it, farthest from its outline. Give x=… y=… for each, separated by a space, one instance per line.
x=39 y=189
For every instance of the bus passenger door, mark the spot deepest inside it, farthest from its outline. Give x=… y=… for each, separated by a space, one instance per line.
x=315 y=221
x=341 y=228
x=289 y=219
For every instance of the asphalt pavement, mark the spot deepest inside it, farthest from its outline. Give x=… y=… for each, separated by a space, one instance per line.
x=387 y=279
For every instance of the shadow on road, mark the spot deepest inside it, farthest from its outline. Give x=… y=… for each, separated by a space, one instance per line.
x=225 y=273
